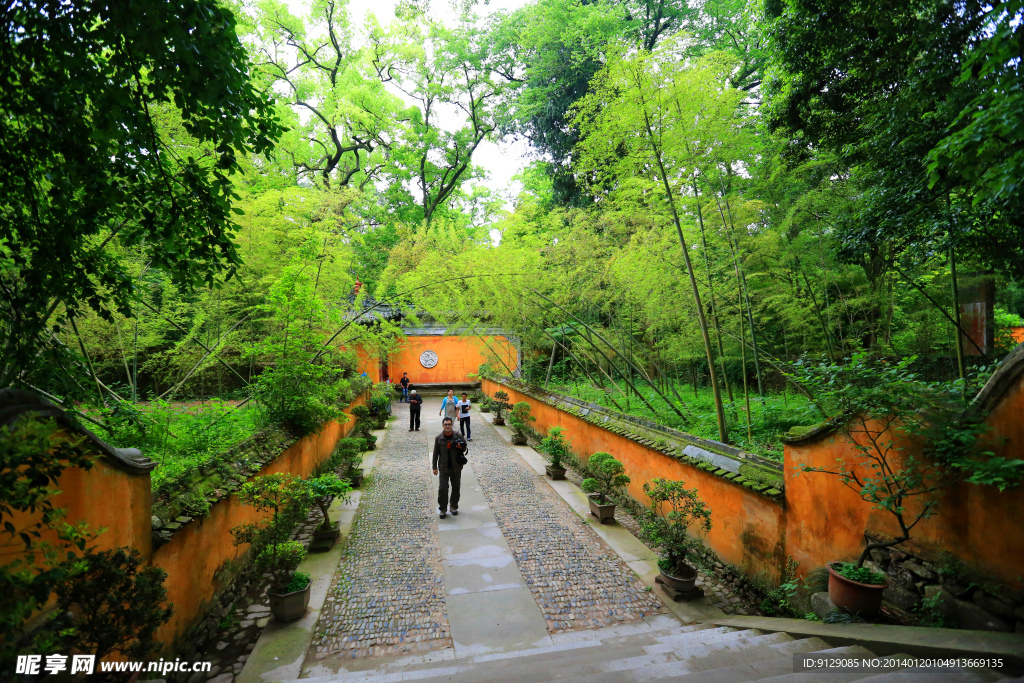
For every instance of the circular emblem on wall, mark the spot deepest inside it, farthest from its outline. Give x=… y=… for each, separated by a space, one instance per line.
x=428 y=359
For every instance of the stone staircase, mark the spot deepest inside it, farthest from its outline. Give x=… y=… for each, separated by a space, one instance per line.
x=697 y=653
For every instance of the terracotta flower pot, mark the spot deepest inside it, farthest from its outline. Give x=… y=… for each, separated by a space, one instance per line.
x=684 y=583
x=862 y=599
x=329 y=534
x=289 y=606
x=500 y=421
x=604 y=512
x=556 y=473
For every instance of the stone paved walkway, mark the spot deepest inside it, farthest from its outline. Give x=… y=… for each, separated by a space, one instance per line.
x=576 y=579
x=388 y=596
x=517 y=565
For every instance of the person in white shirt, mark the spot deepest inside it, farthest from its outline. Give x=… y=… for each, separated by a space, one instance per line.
x=464 y=407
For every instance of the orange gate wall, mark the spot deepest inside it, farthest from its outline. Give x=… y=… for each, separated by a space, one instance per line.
x=457 y=358
x=820 y=519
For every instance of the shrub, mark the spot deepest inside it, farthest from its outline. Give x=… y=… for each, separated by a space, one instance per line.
x=607 y=475
x=326 y=488
x=520 y=419
x=855 y=572
x=674 y=509
x=117 y=602
x=555 y=446
x=287 y=497
x=500 y=405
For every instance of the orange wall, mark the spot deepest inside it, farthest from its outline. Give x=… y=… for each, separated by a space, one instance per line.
x=457 y=357
x=747 y=528
x=821 y=519
x=105 y=498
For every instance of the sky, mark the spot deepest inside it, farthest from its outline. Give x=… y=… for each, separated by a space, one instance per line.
x=502 y=160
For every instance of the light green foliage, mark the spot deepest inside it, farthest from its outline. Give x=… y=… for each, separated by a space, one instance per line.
x=501 y=404
x=606 y=476
x=674 y=510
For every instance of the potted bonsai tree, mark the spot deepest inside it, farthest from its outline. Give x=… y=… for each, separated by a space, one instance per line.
x=323 y=490
x=608 y=475
x=555 y=446
x=519 y=419
x=485 y=404
x=347 y=458
x=500 y=405
x=888 y=416
x=674 y=509
x=286 y=497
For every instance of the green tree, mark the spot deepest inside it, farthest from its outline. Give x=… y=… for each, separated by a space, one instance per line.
x=85 y=163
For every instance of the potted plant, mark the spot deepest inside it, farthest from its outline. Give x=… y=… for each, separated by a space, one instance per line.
x=554 y=445
x=888 y=415
x=857 y=590
x=485 y=405
x=608 y=474
x=674 y=509
x=519 y=419
x=371 y=442
x=347 y=458
x=500 y=405
x=323 y=490
x=286 y=497
x=363 y=422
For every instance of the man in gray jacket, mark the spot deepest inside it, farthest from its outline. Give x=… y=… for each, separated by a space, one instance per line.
x=448 y=446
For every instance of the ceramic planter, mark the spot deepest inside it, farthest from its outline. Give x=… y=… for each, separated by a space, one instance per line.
x=500 y=421
x=289 y=606
x=329 y=534
x=854 y=597
x=684 y=583
x=518 y=439
x=555 y=473
x=356 y=477
x=604 y=512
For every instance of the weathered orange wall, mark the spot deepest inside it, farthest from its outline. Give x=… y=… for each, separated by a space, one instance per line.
x=747 y=528
x=821 y=519
x=457 y=358
x=104 y=498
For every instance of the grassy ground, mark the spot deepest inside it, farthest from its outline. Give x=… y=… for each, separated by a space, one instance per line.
x=179 y=436
x=770 y=418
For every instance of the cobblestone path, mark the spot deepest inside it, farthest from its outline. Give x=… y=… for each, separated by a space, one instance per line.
x=576 y=579
x=387 y=597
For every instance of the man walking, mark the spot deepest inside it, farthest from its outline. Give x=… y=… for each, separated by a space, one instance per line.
x=405 y=386
x=448 y=448
x=415 y=403
x=464 y=407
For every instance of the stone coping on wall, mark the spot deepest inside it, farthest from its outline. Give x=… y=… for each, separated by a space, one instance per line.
x=711 y=456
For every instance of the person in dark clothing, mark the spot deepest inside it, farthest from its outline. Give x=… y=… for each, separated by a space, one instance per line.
x=405 y=386
x=447 y=447
x=415 y=403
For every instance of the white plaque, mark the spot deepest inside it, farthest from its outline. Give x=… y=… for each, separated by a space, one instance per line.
x=428 y=359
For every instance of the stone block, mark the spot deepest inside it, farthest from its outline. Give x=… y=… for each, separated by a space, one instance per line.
x=822 y=605
x=881 y=556
x=920 y=570
x=969 y=615
x=904 y=598
x=991 y=603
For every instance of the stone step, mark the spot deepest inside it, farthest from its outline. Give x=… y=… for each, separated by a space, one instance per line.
x=833 y=677
x=732 y=641
x=932 y=676
x=685 y=660
x=764 y=669
x=615 y=654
